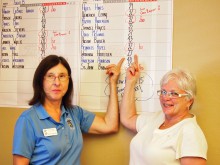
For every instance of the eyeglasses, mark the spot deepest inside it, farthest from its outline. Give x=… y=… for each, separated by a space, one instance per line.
x=171 y=94
x=52 y=77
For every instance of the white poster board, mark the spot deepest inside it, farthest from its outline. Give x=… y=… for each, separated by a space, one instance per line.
x=90 y=34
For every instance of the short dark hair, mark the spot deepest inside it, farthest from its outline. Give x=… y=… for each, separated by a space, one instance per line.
x=47 y=63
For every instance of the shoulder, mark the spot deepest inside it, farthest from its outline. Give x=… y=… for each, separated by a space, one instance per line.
x=34 y=114
x=149 y=118
x=28 y=113
x=78 y=111
x=26 y=121
x=190 y=126
x=191 y=132
x=82 y=116
x=192 y=141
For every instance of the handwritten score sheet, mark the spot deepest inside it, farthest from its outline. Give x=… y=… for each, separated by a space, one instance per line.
x=90 y=34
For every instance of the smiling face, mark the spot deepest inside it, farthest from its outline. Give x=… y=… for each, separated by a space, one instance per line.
x=55 y=90
x=174 y=106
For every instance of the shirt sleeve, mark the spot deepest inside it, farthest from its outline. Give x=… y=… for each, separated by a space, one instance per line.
x=85 y=118
x=23 y=142
x=152 y=119
x=192 y=142
x=141 y=121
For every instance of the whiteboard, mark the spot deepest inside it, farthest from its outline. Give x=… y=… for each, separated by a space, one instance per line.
x=90 y=34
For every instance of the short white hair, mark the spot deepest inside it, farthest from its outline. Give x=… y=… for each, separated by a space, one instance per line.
x=184 y=79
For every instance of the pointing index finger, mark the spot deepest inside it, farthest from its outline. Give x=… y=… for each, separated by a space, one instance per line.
x=120 y=62
x=136 y=59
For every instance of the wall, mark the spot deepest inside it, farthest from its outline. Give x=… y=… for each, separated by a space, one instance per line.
x=196 y=46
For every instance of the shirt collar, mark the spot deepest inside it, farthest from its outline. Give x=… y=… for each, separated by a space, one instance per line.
x=42 y=113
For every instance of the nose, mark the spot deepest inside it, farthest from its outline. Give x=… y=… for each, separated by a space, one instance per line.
x=56 y=80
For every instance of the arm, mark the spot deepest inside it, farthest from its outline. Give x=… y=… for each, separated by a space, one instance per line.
x=128 y=115
x=20 y=160
x=110 y=122
x=192 y=161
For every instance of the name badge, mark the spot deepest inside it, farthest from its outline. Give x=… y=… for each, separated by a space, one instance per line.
x=50 y=132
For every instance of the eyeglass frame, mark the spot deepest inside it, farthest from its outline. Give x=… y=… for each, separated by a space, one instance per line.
x=51 y=77
x=169 y=94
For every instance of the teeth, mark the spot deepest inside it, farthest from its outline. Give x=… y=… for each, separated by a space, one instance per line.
x=168 y=105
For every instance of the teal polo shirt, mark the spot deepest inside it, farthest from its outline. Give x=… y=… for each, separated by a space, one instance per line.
x=44 y=141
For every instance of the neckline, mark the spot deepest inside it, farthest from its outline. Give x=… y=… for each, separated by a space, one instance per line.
x=161 y=127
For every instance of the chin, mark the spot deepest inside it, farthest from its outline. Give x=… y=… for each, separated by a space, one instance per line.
x=167 y=110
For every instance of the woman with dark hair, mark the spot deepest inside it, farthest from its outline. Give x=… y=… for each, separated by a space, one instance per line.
x=50 y=131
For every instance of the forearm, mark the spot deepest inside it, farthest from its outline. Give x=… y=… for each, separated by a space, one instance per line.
x=20 y=160
x=112 y=114
x=192 y=160
x=128 y=113
x=110 y=121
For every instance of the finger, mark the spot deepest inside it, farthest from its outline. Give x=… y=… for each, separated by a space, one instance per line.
x=120 y=62
x=109 y=71
x=136 y=62
x=131 y=70
x=141 y=67
x=110 y=66
x=136 y=59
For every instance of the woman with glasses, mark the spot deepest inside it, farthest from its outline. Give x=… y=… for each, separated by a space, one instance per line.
x=168 y=137
x=50 y=132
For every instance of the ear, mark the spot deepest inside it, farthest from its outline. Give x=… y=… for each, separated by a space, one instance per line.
x=190 y=103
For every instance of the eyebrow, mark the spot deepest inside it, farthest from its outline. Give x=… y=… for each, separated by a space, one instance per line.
x=171 y=90
x=58 y=73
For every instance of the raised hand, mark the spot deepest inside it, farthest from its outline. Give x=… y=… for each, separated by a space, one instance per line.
x=114 y=71
x=133 y=72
